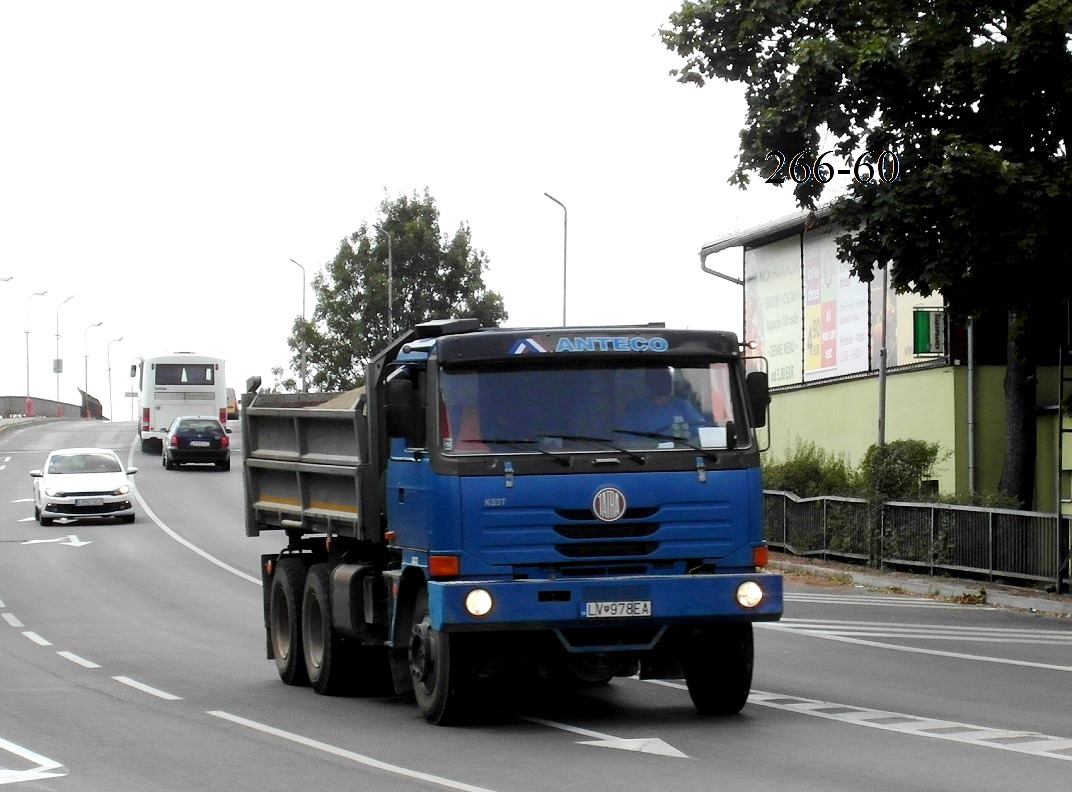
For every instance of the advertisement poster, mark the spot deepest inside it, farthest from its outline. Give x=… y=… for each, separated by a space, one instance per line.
x=773 y=308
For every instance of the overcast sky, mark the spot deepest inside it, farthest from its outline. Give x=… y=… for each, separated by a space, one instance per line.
x=164 y=162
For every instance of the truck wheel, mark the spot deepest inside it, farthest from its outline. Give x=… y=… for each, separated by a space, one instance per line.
x=718 y=668
x=325 y=651
x=439 y=681
x=284 y=619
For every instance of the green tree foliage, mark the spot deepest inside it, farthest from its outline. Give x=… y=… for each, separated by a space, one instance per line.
x=975 y=100
x=894 y=471
x=809 y=471
x=433 y=276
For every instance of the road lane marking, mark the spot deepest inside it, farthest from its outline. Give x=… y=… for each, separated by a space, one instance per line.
x=44 y=767
x=37 y=639
x=186 y=543
x=829 y=636
x=345 y=754
x=10 y=619
x=146 y=689
x=1024 y=742
x=76 y=659
x=651 y=745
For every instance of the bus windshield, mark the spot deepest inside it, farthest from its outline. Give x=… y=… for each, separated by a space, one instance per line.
x=184 y=374
x=592 y=408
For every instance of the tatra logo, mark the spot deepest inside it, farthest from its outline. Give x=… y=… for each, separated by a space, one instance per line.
x=612 y=344
x=608 y=504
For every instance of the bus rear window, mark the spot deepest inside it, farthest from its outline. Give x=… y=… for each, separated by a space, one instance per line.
x=184 y=374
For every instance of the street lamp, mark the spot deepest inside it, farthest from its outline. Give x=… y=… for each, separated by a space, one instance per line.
x=35 y=294
x=304 y=386
x=565 y=216
x=108 y=352
x=58 y=365
x=85 y=340
x=390 y=282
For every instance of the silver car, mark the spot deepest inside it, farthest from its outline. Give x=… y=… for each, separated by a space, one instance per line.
x=83 y=484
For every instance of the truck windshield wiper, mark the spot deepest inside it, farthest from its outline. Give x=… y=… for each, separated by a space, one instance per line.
x=660 y=436
x=603 y=441
x=522 y=444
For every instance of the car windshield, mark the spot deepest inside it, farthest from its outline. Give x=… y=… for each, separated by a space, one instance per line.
x=199 y=427
x=592 y=408
x=84 y=463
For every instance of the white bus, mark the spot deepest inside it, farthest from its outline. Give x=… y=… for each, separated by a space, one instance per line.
x=170 y=386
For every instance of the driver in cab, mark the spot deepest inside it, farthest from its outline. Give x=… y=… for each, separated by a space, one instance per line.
x=661 y=412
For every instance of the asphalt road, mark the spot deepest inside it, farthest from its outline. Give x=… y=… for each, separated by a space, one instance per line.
x=133 y=658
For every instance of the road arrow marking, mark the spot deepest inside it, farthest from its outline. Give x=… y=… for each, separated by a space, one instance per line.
x=69 y=539
x=652 y=745
x=44 y=768
x=23 y=500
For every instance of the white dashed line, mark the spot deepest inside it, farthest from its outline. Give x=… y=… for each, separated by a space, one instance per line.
x=76 y=659
x=146 y=689
x=10 y=619
x=37 y=639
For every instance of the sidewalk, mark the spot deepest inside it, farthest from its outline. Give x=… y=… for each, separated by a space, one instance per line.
x=962 y=590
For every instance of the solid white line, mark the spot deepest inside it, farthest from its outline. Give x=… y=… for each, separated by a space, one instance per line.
x=152 y=516
x=76 y=659
x=10 y=619
x=343 y=753
x=146 y=689
x=37 y=639
x=914 y=650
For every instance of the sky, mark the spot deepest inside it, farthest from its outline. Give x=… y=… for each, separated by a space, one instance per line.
x=162 y=164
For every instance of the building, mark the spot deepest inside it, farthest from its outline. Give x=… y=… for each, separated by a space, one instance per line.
x=850 y=360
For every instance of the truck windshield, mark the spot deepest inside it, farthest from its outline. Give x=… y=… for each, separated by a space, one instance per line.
x=595 y=408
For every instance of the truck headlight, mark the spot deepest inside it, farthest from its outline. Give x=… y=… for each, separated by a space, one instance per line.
x=749 y=594
x=478 y=602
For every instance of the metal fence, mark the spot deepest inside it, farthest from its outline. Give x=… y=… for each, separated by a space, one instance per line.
x=938 y=538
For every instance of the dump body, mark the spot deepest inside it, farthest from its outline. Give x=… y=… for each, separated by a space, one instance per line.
x=585 y=500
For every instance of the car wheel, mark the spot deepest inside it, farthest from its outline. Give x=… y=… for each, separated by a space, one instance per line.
x=326 y=652
x=44 y=520
x=168 y=464
x=224 y=465
x=37 y=512
x=441 y=679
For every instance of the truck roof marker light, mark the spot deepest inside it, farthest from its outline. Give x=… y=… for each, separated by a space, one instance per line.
x=443 y=566
x=479 y=602
x=749 y=594
x=761 y=555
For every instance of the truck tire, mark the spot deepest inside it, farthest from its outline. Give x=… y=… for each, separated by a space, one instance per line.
x=326 y=653
x=437 y=669
x=718 y=668
x=284 y=619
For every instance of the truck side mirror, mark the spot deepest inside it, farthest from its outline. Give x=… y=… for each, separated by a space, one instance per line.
x=398 y=407
x=758 y=396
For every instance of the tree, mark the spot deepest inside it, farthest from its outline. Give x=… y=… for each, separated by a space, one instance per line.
x=975 y=102
x=433 y=276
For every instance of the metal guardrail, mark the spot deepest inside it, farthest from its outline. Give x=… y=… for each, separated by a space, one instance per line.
x=938 y=538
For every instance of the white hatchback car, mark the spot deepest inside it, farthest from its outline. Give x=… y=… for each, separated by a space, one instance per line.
x=83 y=484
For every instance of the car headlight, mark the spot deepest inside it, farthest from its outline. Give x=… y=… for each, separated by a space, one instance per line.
x=52 y=492
x=123 y=490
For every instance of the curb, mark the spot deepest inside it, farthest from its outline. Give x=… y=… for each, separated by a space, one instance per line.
x=941 y=588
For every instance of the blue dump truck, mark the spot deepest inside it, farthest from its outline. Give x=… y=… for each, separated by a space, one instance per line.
x=499 y=507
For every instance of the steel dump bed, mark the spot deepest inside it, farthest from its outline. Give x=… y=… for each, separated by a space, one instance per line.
x=305 y=469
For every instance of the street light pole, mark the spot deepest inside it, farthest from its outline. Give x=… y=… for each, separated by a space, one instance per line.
x=304 y=385
x=57 y=364
x=390 y=282
x=565 y=217
x=35 y=294
x=85 y=340
x=108 y=352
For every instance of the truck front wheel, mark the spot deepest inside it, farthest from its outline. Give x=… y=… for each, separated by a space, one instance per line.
x=718 y=668
x=437 y=669
x=284 y=619
x=325 y=651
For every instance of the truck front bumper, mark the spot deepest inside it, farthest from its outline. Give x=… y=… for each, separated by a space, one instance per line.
x=604 y=602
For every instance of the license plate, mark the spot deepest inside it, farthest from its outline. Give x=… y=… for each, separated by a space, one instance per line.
x=200 y=443
x=619 y=609
x=89 y=501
